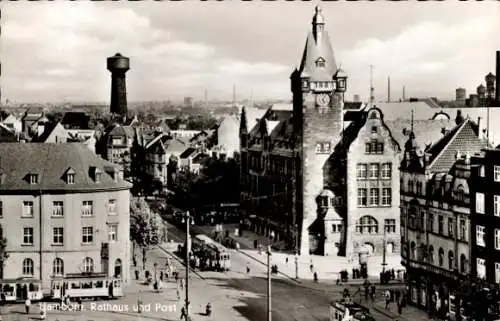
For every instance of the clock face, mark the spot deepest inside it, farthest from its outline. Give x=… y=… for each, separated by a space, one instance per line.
x=323 y=100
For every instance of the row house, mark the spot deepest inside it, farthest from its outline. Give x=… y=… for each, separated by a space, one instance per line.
x=161 y=158
x=435 y=214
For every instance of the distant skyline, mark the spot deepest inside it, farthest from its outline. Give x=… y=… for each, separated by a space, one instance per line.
x=56 y=51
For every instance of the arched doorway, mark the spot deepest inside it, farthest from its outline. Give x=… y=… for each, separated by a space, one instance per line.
x=118 y=268
x=369 y=248
x=389 y=248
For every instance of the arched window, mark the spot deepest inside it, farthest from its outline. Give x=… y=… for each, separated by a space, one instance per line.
x=88 y=265
x=413 y=250
x=450 y=260
x=441 y=256
x=431 y=254
x=118 y=268
x=463 y=263
x=58 y=267
x=460 y=194
x=28 y=267
x=367 y=224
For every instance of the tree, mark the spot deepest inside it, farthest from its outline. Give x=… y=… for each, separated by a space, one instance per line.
x=3 y=252
x=144 y=231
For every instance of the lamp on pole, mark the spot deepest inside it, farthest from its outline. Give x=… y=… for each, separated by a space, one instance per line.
x=188 y=220
x=269 y=313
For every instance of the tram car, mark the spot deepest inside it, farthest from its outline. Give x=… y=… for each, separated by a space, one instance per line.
x=348 y=310
x=95 y=286
x=18 y=290
x=219 y=251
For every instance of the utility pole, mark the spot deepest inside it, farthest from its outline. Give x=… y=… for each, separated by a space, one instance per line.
x=188 y=249
x=372 y=90
x=269 y=313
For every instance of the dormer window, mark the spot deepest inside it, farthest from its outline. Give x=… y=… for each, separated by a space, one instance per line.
x=320 y=62
x=33 y=179
x=70 y=176
x=95 y=173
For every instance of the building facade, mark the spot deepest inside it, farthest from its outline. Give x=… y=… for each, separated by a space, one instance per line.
x=63 y=210
x=435 y=215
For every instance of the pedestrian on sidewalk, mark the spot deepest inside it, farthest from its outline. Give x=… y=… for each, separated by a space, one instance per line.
x=27 y=305
x=178 y=293
x=286 y=260
x=182 y=284
x=183 y=313
x=387 y=299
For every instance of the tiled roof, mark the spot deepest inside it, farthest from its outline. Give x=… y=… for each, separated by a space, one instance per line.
x=119 y=130
x=49 y=128
x=426 y=132
x=51 y=162
x=188 y=152
x=464 y=138
x=167 y=144
x=402 y=110
x=252 y=115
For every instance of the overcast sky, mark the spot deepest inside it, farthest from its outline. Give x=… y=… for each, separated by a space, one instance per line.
x=56 y=51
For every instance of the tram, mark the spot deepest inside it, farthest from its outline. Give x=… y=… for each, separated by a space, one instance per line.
x=17 y=290
x=347 y=310
x=97 y=285
x=218 y=251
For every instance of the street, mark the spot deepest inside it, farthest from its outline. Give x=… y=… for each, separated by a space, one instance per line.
x=234 y=295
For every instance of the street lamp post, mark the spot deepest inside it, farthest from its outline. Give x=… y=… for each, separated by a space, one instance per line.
x=187 y=217
x=296 y=266
x=269 y=313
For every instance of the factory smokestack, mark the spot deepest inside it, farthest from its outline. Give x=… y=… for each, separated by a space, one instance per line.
x=497 y=85
x=118 y=65
x=404 y=93
x=388 y=89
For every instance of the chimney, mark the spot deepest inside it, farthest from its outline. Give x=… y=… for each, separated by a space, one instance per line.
x=497 y=85
x=388 y=89
x=481 y=129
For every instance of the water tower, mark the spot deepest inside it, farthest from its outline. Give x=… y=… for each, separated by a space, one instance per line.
x=461 y=95
x=118 y=65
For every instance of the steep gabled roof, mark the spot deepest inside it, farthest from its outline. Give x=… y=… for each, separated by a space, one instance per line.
x=463 y=138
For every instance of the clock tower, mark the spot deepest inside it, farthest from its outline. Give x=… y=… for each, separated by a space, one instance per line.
x=318 y=87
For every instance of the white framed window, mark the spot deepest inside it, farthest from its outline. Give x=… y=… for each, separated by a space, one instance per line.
x=481 y=268
x=361 y=170
x=481 y=171
x=58 y=236
x=57 y=208
x=87 y=208
x=88 y=265
x=28 y=236
x=386 y=170
x=71 y=178
x=480 y=203
x=374 y=171
x=113 y=232
x=496 y=173
x=374 y=196
x=497 y=239
x=480 y=234
x=87 y=234
x=386 y=196
x=58 y=267
x=112 y=207
x=496 y=205
x=497 y=272
x=390 y=225
x=28 y=209
x=28 y=267
x=362 y=197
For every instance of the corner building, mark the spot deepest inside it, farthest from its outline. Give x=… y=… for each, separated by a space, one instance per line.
x=62 y=210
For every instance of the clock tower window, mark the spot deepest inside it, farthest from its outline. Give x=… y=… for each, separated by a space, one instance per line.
x=320 y=62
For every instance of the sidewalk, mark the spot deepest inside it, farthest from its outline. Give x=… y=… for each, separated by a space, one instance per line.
x=409 y=313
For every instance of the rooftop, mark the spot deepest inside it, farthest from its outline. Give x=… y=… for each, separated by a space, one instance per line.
x=51 y=162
